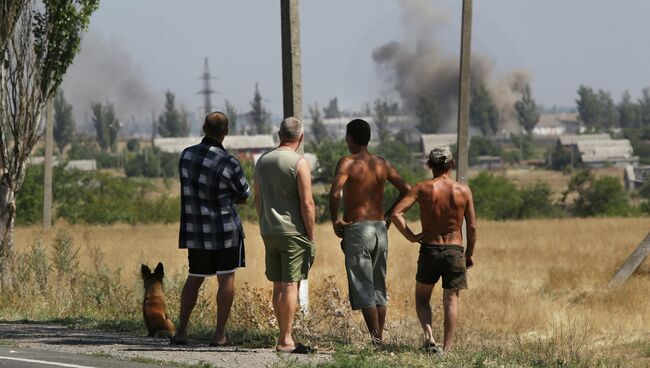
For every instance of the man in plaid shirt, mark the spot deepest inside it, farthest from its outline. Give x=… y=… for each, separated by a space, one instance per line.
x=212 y=183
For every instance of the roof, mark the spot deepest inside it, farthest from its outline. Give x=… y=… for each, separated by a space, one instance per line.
x=569 y=139
x=550 y=120
x=431 y=140
x=605 y=150
x=231 y=142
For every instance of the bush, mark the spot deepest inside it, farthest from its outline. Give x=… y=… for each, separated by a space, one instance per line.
x=329 y=152
x=482 y=146
x=94 y=198
x=536 y=202
x=86 y=150
x=598 y=196
x=495 y=197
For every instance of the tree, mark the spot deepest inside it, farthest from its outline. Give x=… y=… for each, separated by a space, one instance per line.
x=106 y=125
x=258 y=114
x=597 y=196
x=38 y=41
x=483 y=112
x=628 y=112
x=173 y=122
x=383 y=109
x=64 y=123
x=232 y=114
x=596 y=109
x=527 y=111
x=319 y=131
x=426 y=110
x=331 y=111
x=644 y=108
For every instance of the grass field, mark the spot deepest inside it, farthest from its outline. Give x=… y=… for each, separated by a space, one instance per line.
x=538 y=291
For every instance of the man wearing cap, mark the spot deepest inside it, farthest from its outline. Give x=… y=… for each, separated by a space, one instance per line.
x=444 y=204
x=361 y=177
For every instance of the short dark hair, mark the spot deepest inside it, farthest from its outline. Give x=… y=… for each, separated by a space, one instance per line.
x=215 y=124
x=359 y=131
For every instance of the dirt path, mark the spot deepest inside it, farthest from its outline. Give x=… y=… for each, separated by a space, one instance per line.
x=128 y=347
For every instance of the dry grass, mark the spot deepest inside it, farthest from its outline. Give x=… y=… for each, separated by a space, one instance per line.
x=538 y=287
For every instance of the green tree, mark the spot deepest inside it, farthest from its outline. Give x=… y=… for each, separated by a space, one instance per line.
x=604 y=196
x=35 y=56
x=318 y=129
x=328 y=152
x=495 y=197
x=331 y=111
x=483 y=112
x=596 y=109
x=536 y=201
x=382 y=110
x=644 y=108
x=106 y=125
x=173 y=122
x=426 y=110
x=628 y=112
x=232 y=114
x=527 y=110
x=258 y=114
x=64 y=124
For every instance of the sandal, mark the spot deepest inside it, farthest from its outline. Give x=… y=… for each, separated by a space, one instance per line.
x=431 y=348
x=299 y=349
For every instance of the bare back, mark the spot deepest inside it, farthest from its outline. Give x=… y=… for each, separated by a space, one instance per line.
x=443 y=204
x=363 y=191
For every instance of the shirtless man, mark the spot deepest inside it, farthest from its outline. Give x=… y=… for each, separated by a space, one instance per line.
x=361 y=177
x=444 y=203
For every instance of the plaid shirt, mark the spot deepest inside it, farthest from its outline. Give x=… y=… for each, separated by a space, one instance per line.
x=211 y=181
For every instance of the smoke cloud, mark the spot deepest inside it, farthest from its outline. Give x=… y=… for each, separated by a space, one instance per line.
x=415 y=66
x=104 y=71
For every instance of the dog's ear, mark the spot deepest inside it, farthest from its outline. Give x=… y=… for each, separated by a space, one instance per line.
x=145 y=270
x=160 y=269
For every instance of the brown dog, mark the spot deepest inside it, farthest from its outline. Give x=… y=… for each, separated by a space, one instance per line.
x=153 y=306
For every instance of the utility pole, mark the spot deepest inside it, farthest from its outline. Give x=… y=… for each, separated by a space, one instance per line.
x=291 y=71
x=292 y=88
x=464 y=93
x=47 y=172
x=207 y=90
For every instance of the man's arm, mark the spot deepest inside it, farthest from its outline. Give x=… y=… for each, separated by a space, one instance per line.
x=470 y=222
x=340 y=178
x=400 y=184
x=238 y=183
x=307 y=207
x=397 y=215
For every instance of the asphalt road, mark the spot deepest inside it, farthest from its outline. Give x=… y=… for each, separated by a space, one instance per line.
x=34 y=358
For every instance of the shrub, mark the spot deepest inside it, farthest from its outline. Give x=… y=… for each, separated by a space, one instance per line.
x=495 y=197
x=603 y=196
x=536 y=201
x=151 y=163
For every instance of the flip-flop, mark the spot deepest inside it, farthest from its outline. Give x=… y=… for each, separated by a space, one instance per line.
x=176 y=342
x=299 y=349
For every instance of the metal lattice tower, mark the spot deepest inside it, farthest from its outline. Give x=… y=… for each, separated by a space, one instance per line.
x=207 y=90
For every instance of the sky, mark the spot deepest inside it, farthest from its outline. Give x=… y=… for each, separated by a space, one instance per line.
x=136 y=50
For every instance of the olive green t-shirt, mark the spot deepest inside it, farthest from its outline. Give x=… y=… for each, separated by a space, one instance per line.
x=276 y=176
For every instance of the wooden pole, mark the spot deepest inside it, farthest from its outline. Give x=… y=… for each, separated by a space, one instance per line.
x=47 y=172
x=632 y=263
x=291 y=71
x=462 y=161
x=292 y=87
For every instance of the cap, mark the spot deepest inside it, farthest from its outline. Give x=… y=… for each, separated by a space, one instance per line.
x=441 y=154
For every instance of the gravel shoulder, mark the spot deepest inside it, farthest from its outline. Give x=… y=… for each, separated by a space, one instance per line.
x=123 y=346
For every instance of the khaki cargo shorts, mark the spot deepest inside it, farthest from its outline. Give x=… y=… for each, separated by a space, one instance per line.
x=288 y=257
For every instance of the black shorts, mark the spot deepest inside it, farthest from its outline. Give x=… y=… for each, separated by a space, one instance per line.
x=215 y=262
x=442 y=260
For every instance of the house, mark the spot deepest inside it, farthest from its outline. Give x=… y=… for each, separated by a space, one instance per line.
x=550 y=125
x=598 y=150
x=246 y=146
x=636 y=176
x=82 y=165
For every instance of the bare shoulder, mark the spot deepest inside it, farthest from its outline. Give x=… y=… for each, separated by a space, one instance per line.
x=463 y=189
x=344 y=163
